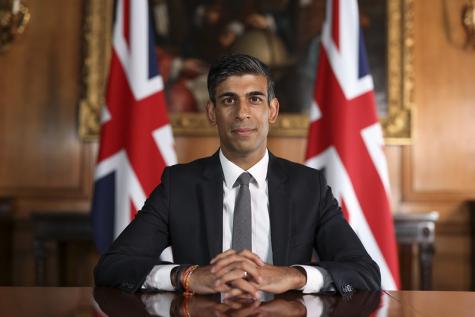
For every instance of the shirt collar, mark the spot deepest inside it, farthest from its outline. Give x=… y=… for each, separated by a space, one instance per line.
x=231 y=171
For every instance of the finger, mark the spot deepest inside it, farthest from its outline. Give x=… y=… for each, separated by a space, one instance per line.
x=221 y=310
x=249 y=307
x=244 y=266
x=230 y=294
x=219 y=313
x=246 y=287
x=251 y=256
x=225 y=261
x=233 y=305
x=237 y=297
x=230 y=277
x=222 y=255
x=217 y=266
x=221 y=287
x=249 y=271
x=245 y=253
x=233 y=276
x=239 y=306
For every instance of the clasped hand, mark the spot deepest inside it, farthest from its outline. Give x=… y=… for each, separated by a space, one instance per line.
x=244 y=274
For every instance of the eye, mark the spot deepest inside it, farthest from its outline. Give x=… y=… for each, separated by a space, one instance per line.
x=256 y=100
x=228 y=100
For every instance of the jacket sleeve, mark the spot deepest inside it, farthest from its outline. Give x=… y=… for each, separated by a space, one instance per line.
x=137 y=249
x=339 y=249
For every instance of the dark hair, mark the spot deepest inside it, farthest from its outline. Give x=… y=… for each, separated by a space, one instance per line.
x=237 y=65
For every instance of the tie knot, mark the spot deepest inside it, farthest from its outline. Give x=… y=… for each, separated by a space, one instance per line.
x=243 y=179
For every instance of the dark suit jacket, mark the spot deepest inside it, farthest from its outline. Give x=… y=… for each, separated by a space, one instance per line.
x=186 y=212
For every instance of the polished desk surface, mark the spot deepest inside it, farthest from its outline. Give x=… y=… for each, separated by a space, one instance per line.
x=85 y=301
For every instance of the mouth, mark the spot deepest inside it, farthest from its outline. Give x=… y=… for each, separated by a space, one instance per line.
x=243 y=131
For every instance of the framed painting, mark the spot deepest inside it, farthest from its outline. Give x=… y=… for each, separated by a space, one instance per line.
x=192 y=33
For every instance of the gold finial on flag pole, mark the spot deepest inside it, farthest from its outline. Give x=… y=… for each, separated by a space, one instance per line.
x=12 y=23
x=468 y=22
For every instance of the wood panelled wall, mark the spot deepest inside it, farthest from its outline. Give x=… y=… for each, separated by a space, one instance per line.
x=438 y=170
x=45 y=166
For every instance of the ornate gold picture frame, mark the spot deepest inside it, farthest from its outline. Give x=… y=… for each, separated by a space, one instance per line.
x=396 y=125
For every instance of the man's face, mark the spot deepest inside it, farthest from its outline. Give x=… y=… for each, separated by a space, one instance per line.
x=242 y=114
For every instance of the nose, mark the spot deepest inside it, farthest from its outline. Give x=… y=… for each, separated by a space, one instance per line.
x=242 y=111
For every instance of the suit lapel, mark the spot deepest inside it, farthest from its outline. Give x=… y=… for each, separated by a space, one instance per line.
x=211 y=190
x=279 y=211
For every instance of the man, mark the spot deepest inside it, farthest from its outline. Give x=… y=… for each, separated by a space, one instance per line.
x=197 y=211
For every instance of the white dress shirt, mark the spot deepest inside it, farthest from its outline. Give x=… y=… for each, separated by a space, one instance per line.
x=261 y=240
x=159 y=276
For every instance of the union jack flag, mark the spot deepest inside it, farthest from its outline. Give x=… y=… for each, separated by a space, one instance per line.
x=346 y=140
x=136 y=140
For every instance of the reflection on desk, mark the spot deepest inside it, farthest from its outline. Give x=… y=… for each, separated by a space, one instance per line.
x=86 y=301
x=116 y=303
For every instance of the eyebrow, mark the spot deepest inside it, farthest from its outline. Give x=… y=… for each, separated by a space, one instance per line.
x=227 y=94
x=256 y=93
x=249 y=94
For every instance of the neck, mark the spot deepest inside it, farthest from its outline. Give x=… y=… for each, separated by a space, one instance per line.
x=244 y=161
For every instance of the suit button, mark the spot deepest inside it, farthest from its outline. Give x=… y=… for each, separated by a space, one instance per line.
x=347 y=288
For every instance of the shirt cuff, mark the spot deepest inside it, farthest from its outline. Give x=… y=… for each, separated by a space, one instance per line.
x=159 y=278
x=314 y=280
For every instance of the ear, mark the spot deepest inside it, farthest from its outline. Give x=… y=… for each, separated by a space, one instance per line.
x=273 y=110
x=210 y=113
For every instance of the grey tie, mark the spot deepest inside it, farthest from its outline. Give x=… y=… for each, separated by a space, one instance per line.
x=242 y=221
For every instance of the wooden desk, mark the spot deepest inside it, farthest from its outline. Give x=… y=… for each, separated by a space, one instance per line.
x=76 y=301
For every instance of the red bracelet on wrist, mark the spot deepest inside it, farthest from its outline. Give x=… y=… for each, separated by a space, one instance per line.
x=185 y=282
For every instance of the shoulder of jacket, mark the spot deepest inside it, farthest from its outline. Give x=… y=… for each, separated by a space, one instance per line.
x=197 y=164
x=295 y=167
